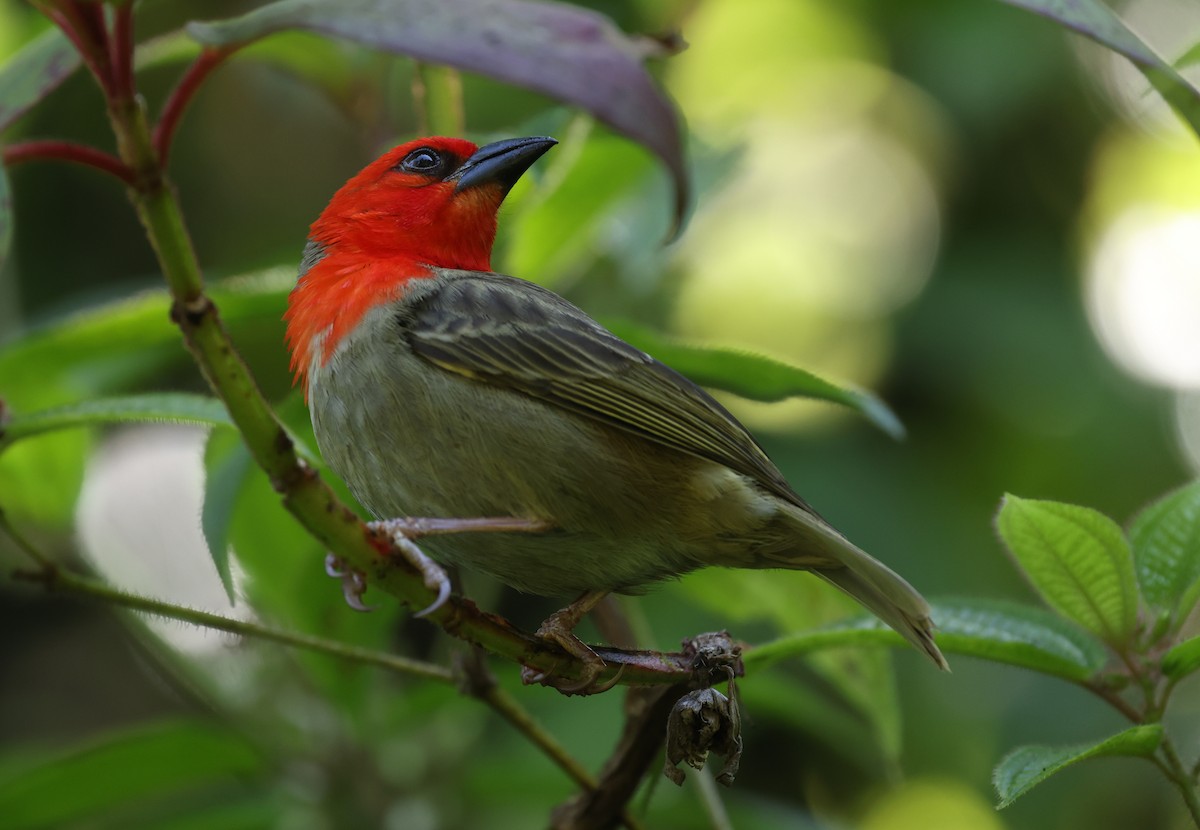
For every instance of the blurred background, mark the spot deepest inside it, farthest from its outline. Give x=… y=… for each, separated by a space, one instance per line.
x=991 y=224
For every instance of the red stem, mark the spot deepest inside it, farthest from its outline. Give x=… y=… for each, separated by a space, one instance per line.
x=120 y=50
x=181 y=96
x=83 y=24
x=69 y=151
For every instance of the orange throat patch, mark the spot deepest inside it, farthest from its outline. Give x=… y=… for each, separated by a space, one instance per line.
x=332 y=297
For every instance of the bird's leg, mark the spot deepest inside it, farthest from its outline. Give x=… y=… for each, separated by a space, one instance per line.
x=402 y=532
x=415 y=528
x=559 y=629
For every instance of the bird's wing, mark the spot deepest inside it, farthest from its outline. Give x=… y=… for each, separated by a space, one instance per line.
x=512 y=333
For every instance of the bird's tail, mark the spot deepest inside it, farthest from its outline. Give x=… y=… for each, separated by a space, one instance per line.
x=873 y=584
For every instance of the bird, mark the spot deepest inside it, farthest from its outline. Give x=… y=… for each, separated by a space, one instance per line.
x=576 y=464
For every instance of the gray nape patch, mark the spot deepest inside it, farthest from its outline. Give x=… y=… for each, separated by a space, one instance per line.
x=314 y=252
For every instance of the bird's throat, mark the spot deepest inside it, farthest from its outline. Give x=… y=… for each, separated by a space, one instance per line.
x=333 y=296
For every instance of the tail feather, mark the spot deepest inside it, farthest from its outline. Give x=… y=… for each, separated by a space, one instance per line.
x=873 y=584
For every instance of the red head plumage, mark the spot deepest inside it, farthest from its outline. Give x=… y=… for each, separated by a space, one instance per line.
x=429 y=203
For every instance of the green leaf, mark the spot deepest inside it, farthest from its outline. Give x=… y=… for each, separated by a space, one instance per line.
x=1027 y=766
x=40 y=481
x=168 y=407
x=1166 y=547
x=227 y=463
x=753 y=376
x=571 y=54
x=1077 y=559
x=1183 y=659
x=1003 y=632
x=1093 y=19
x=1189 y=58
x=33 y=73
x=106 y=345
x=123 y=769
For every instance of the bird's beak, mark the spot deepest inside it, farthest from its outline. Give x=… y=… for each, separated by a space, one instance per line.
x=501 y=162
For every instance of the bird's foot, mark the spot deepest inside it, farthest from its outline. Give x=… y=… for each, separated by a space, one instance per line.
x=559 y=629
x=403 y=531
x=354 y=582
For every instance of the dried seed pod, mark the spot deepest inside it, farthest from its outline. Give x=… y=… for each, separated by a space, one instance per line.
x=702 y=721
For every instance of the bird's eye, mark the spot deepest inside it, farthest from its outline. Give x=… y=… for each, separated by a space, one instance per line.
x=422 y=160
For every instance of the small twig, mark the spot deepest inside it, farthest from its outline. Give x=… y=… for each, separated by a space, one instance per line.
x=120 y=50
x=51 y=149
x=1114 y=699
x=476 y=680
x=78 y=21
x=714 y=807
x=507 y=707
x=181 y=96
x=646 y=713
x=1170 y=763
x=1173 y=767
x=28 y=548
x=61 y=580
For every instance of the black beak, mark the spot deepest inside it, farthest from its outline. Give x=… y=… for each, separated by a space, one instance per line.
x=501 y=162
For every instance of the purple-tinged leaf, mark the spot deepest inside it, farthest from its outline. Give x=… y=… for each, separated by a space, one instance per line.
x=568 y=53
x=33 y=73
x=1094 y=20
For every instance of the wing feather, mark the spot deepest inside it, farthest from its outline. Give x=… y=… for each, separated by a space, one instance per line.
x=512 y=333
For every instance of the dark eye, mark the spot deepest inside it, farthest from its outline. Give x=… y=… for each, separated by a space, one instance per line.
x=422 y=160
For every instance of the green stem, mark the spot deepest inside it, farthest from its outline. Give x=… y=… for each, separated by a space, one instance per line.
x=714 y=808
x=1114 y=699
x=437 y=93
x=59 y=580
x=44 y=562
x=507 y=707
x=1173 y=767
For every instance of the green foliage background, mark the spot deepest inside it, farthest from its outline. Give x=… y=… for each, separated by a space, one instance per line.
x=990 y=364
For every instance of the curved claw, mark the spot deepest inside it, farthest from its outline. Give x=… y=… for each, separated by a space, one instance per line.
x=335 y=566
x=587 y=685
x=431 y=572
x=443 y=587
x=612 y=681
x=354 y=585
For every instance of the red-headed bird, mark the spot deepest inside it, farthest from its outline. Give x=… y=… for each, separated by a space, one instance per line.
x=441 y=389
